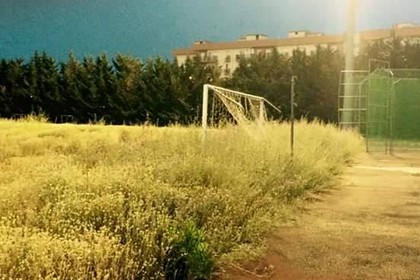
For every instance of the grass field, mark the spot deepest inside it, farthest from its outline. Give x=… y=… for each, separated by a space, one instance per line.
x=103 y=202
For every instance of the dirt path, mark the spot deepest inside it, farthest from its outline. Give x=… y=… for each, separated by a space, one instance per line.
x=367 y=228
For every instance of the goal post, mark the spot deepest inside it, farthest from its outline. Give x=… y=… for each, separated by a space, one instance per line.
x=204 y=114
x=246 y=110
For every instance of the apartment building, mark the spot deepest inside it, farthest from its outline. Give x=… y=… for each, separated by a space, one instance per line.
x=227 y=54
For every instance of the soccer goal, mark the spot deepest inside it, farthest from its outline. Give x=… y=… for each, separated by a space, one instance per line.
x=222 y=106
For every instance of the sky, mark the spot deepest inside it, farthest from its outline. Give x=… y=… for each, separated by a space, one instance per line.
x=149 y=28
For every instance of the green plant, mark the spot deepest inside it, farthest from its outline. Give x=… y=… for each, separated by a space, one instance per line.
x=190 y=256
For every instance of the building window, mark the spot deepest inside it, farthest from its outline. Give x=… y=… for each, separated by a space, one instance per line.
x=262 y=52
x=227 y=59
x=227 y=70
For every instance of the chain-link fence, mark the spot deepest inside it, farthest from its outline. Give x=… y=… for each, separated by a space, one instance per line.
x=405 y=124
x=385 y=108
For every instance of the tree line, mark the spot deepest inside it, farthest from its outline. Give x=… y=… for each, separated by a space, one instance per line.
x=120 y=90
x=158 y=91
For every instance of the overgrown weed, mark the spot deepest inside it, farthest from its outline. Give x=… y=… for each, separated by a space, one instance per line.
x=103 y=202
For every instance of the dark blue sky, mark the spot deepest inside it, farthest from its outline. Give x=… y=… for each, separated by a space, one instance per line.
x=146 y=28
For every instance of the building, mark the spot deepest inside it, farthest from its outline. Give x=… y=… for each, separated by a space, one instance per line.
x=227 y=54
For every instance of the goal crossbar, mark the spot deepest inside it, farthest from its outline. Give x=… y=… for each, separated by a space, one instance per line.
x=256 y=97
x=251 y=96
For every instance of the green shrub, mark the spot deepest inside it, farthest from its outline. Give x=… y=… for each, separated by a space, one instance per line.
x=189 y=257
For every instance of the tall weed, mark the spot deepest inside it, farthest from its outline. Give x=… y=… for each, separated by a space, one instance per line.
x=103 y=202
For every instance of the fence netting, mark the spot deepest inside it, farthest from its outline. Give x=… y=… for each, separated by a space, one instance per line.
x=385 y=108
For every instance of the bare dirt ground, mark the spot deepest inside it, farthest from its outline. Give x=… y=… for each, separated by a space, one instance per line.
x=367 y=227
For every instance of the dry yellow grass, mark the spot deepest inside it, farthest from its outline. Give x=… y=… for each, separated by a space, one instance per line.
x=143 y=202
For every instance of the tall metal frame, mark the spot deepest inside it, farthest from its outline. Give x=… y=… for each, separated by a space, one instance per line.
x=347 y=115
x=354 y=103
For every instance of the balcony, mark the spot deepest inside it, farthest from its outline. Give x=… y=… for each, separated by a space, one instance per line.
x=209 y=59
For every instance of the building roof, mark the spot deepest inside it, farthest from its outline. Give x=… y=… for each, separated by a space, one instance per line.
x=375 y=34
x=298 y=41
x=267 y=43
x=408 y=31
x=255 y=34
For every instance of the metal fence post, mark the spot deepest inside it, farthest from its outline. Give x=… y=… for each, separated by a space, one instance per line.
x=292 y=116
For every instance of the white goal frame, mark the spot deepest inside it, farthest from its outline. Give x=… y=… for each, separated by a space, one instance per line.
x=207 y=87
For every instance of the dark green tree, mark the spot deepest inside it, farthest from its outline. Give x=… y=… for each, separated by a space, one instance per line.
x=163 y=105
x=5 y=97
x=70 y=88
x=194 y=74
x=47 y=90
x=267 y=76
x=105 y=85
x=322 y=81
x=20 y=101
x=127 y=102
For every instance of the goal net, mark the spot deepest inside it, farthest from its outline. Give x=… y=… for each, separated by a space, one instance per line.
x=223 y=106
